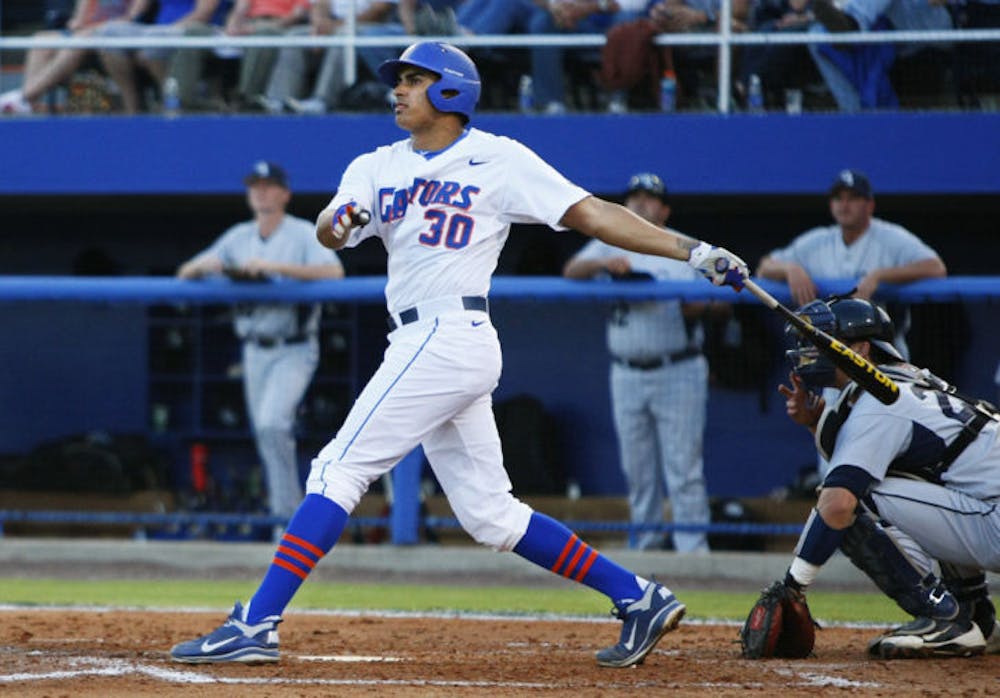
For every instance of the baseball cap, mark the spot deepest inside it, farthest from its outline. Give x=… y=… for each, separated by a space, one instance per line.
x=267 y=170
x=649 y=183
x=852 y=181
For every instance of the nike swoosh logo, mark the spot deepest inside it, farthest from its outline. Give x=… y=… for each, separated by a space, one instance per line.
x=631 y=639
x=474 y=162
x=477 y=323
x=207 y=646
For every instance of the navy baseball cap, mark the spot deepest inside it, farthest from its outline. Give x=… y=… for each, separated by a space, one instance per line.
x=852 y=181
x=649 y=183
x=263 y=170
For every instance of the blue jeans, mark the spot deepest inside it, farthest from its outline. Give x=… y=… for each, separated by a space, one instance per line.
x=547 y=63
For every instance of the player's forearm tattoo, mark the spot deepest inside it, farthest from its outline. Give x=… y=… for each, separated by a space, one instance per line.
x=687 y=244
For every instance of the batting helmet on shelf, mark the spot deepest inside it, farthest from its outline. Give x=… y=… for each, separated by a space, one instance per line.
x=457 y=90
x=847 y=319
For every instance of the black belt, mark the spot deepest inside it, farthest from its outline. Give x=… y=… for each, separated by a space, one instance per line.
x=659 y=362
x=271 y=342
x=412 y=315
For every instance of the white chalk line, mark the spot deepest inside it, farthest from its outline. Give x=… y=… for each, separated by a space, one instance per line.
x=346 y=658
x=96 y=667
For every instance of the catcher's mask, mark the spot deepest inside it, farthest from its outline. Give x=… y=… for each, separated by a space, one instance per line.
x=846 y=319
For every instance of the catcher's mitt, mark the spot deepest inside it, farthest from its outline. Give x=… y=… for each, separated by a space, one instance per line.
x=779 y=625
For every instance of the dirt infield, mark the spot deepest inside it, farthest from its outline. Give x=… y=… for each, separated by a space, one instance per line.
x=91 y=653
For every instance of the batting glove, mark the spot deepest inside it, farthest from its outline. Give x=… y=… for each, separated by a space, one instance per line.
x=719 y=265
x=349 y=216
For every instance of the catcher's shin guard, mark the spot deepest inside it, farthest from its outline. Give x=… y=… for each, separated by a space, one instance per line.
x=874 y=551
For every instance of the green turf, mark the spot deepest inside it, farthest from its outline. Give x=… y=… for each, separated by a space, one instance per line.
x=574 y=601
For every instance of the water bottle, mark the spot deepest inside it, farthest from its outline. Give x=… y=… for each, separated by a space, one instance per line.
x=755 y=95
x=171 y=97
x=668 y=91
x=525 y=96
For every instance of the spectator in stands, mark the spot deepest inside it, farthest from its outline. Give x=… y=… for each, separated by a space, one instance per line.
x=432 y=18
x=777 y=65
x=261 y=18
x=280 y=345
x=578 y=17
x=977 y=65
x=188 y=65
x=684 y=16
x=859 y=246
x=858 y=76
x=329 y=17
x=482 y=17
x=173 y=19
x=659 y=380
x=47 y=68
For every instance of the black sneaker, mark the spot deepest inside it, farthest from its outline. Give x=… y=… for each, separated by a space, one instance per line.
x=926 y=637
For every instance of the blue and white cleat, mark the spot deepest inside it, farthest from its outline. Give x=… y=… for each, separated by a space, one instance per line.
x=233 y=641
x=646 y=621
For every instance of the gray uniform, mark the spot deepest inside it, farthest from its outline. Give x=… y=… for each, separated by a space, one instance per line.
x=659 y=392
x=823 y=254
x=952 y=513
x=280 y=350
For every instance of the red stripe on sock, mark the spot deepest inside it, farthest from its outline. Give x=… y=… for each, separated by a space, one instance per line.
x=307 y=561
x=565 y=551
x=303 y=544
x=586 y=566
x=576 y=558
x=302 y=574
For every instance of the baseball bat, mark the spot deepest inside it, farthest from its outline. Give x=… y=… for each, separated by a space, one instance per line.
x=858 y=368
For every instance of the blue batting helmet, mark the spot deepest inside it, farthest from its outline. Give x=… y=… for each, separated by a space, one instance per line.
x=457 y=90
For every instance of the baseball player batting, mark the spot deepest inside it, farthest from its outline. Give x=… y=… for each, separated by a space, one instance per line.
x=442 y=202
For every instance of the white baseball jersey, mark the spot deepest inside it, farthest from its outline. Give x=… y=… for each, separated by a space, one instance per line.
x=444 y=216
x=276 y=378
x=823 y=254
x=647 y=329
x=660 y=413
x=292 y=242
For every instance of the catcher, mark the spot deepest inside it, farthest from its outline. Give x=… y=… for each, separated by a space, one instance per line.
x=909 y=486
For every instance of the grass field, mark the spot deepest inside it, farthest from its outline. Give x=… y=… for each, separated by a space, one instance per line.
x=828 y=606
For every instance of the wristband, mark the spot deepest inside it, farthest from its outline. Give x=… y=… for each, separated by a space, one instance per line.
x=699 y=254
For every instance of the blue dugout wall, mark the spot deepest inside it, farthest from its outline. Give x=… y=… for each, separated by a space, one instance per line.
x=79 y=348
x=737 y=154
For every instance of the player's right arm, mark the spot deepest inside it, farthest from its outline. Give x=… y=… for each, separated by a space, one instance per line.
x=617 y=226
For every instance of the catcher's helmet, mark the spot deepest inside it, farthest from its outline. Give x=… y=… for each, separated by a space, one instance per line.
x=457 y=90
x=847 y=319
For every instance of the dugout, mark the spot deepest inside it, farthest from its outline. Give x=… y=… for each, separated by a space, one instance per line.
x=137 y=196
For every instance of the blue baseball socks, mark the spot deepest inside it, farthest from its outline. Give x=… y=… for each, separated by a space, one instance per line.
x=551 y=545
x=312 y=532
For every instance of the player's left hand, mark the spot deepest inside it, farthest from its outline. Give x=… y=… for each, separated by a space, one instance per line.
x=779 y=625
x=349 y=216
x=719 y=265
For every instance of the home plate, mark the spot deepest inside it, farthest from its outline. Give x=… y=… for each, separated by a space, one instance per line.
x=350 y=658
